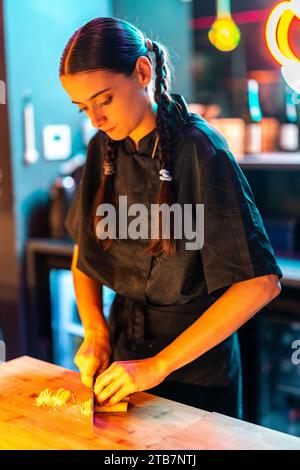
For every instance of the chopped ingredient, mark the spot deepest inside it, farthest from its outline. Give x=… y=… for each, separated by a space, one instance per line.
x=50 y=399
x=86 y=407
x=120 y=406
x=57 y=399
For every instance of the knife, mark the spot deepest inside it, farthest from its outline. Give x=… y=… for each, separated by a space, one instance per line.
x=93 y=401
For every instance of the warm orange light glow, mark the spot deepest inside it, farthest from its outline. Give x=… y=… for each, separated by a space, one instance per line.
x=282 y=35
x=277 y=30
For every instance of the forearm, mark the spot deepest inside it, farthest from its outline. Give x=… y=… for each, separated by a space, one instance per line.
x=89 y=304
x=237 y=305
x=89 y=301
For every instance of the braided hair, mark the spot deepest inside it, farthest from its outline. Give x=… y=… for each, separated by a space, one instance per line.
x=115 y=45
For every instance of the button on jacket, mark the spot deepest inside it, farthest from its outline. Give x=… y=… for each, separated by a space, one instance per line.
x=174 y=290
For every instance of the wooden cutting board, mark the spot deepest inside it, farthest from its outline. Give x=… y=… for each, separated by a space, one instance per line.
x=150 y=423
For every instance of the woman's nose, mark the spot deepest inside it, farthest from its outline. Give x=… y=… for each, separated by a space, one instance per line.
x=97 y=118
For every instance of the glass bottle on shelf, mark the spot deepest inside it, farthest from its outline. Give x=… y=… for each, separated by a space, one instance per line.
x=253 y=117
x=289 y=130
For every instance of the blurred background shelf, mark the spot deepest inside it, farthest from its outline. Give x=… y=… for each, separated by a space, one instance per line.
x=276 y=161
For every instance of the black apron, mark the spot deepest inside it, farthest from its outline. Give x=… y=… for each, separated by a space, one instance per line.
x=212 y=381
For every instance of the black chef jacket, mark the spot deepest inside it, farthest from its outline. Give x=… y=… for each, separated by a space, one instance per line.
x=158 y=297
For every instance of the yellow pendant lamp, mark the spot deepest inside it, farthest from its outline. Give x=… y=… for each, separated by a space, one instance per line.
x=224 y=33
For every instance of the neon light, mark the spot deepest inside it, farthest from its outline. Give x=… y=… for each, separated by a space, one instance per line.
x=224 y=33
x=241 y=17
x=291 y=74
x=277 y=29
x=282 y=35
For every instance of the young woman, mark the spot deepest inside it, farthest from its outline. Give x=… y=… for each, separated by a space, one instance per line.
x=172 y=324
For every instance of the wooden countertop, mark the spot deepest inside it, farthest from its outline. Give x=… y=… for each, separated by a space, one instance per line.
x=150 y=423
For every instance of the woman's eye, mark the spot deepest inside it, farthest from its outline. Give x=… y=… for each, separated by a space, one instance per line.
x=108 y=101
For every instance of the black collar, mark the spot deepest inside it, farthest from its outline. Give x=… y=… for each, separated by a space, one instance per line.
x=147 y=143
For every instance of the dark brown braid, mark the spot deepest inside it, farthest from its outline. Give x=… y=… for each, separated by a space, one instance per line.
x=168 y=118
x=106 y=192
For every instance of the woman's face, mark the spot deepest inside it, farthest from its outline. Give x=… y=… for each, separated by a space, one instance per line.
x=116 y=104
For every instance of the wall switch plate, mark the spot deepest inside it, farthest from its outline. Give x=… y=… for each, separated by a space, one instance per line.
x=57 y=142
x=31 y=154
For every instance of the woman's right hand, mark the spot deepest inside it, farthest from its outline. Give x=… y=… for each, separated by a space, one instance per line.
x=93 y=356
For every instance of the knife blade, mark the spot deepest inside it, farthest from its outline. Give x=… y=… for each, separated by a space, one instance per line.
x=93 y=401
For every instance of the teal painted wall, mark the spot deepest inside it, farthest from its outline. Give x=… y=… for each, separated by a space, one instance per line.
x=167 y=21
x=36 y=32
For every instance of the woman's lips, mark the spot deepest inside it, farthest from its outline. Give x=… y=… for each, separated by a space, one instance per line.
x=110 y=130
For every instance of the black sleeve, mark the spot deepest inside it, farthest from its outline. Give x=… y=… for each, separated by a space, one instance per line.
x=79 y=211
x=236 y=246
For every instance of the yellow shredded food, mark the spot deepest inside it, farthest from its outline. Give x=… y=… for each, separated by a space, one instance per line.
x=86 y=407
x=57 y=399
x=50 y=399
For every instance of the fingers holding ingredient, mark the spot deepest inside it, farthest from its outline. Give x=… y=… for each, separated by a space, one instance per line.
x=93 y=356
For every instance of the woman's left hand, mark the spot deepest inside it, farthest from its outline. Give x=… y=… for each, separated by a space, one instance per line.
x=125 y=377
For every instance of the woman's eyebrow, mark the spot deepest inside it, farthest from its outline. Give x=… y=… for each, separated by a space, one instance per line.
x=94 y=96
